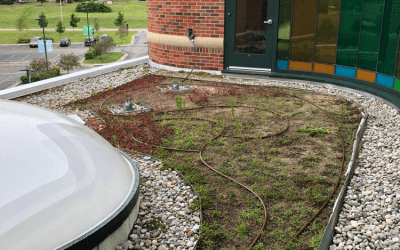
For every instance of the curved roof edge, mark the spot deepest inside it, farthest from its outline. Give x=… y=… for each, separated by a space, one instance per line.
x=99 y=233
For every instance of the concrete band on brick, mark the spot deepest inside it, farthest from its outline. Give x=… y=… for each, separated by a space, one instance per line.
x=183 y=41
x=170 y=68
x=185 y=57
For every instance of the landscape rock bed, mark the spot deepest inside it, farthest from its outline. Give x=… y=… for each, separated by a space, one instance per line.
x=369 y=219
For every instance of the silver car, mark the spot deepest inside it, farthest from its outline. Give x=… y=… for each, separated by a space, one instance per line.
x=34 y=41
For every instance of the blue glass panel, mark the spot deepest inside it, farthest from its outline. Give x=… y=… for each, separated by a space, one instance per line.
x=345 y=71
x=281 y=64
x=384 y=80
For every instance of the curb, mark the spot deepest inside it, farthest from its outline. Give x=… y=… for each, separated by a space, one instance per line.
x=132 y=40
x=124 y=45
x=330 y=228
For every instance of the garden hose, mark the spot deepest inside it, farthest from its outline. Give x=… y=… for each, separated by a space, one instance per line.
x=265 y=211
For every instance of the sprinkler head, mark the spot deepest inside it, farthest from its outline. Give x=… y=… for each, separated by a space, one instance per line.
x=175 y=86
x=128 y=105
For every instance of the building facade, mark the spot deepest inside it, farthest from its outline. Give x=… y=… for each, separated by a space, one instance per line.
x=355 y=41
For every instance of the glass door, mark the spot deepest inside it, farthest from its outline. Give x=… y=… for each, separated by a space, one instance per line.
x=250 y=34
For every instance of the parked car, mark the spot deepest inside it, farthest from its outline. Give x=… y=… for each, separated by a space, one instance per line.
x=65 y=42
x=92 y=41
x=34 y=41
x=103 y=37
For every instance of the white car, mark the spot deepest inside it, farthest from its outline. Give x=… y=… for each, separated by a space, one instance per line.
x=103 y=37
x=34 y=41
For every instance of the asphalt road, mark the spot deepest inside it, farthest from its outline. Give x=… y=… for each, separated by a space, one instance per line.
x=15 y=57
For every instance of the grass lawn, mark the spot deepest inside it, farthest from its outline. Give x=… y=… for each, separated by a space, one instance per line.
x=11 y=37
x=135 y=14
x=106 y=58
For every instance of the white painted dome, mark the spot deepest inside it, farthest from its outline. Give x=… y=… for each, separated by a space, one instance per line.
x=58 y=178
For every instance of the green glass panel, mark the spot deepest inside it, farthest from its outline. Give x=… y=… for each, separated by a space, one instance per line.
x=389 y=38
x=303 y=30
x=285 y=12
x=327 y=31
x=370 y=34
x=349 y=30
x=396 y=84
x=397 y=74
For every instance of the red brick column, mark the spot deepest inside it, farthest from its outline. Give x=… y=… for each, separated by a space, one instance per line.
x=206 y=17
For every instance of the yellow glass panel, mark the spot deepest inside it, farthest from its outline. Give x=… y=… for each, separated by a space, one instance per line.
x=303 y=66
x=323 y=68
x=366 y=75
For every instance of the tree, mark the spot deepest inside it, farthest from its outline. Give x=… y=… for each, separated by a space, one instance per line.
x=74 y=21
x=122 y=31
x=96 y=25
x=105 y=46
x=60 y=28
x=119 y=20
x=68 y=62
x=21 y=23
x=45 y=22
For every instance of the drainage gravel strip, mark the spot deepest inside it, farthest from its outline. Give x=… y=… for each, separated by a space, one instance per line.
x=370 y=217
x=164 y=219
x=329 y=231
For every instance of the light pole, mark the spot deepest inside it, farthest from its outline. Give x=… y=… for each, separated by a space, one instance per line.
x=45 y=49
x=87 y=16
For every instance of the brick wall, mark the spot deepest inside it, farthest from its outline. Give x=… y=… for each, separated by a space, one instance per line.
x=206 y=17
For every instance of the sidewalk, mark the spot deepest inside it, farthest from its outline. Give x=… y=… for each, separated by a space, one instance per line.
x=101 y=29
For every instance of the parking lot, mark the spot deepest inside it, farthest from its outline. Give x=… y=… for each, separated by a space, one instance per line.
x=15 y=57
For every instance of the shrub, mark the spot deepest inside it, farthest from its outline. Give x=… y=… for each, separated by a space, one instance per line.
x=23 y=40
x=24 y=79
x=56 y=70
x=9 y=2
x=34 y=78
x=96 y=51
x=53 y=72
x=89 y=55
x=93 y=7
x=68 y=62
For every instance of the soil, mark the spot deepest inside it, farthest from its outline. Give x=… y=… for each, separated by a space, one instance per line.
x=260 y=146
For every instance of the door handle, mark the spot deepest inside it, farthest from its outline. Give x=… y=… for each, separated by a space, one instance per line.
x=268 y=22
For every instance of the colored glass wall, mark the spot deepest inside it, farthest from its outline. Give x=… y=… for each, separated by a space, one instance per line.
x=357 y=39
